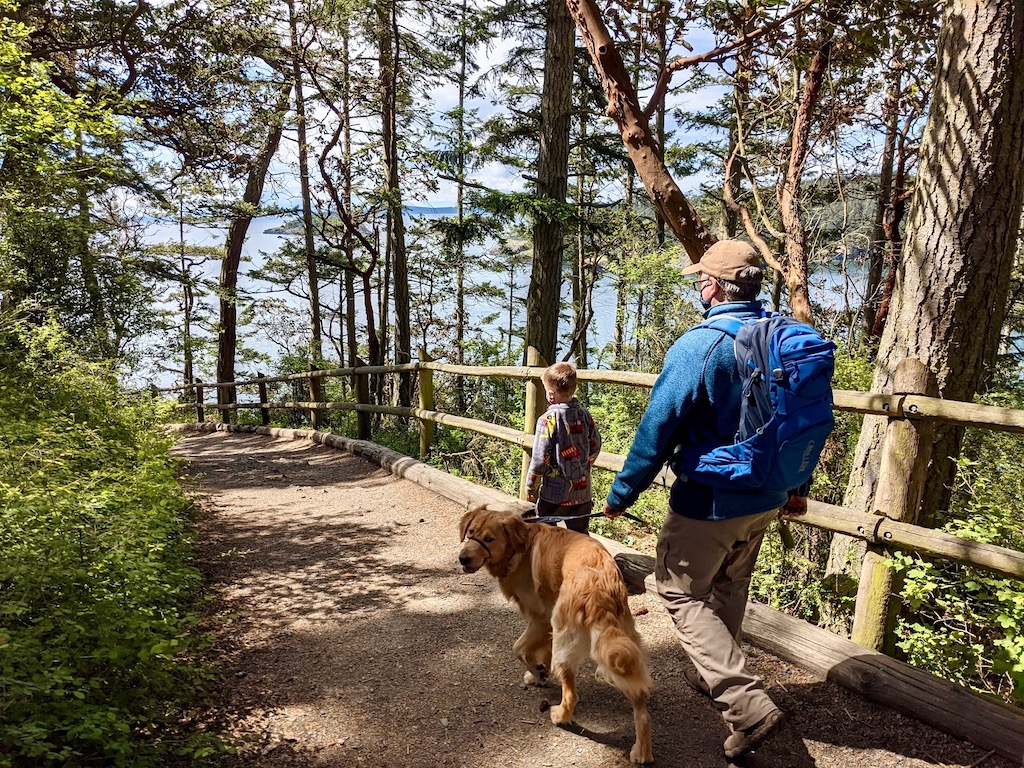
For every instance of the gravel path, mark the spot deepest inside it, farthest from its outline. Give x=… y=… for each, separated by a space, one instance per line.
x=347 y=636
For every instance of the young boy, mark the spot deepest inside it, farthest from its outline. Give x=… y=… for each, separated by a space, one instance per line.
x=564 y=450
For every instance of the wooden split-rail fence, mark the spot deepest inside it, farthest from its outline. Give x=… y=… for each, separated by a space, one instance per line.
x=912 y=414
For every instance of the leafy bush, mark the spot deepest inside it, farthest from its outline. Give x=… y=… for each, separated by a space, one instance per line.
x=94 y=569
x=963 y=623
x=617 y=410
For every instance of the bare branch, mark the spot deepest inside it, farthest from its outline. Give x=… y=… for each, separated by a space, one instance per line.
x=744 y=213
x=683 y=62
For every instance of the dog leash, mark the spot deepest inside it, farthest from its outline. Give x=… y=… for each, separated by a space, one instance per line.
x=552 y=519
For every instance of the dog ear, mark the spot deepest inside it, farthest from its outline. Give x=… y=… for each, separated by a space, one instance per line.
x=518 y=531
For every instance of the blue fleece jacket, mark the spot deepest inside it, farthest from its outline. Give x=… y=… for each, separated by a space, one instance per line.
x=695 y=406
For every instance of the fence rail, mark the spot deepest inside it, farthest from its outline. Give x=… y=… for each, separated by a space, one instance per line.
x=895 y=406
x=910 y=417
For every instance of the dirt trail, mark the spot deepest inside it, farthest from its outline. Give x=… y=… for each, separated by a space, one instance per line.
x=348 y=636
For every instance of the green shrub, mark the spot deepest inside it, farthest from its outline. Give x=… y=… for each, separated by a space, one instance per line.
x=94 y=571
x=963 y=623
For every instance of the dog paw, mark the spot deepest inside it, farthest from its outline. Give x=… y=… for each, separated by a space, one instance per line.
x=641 y=754
x=559 y=716
x=539 y=679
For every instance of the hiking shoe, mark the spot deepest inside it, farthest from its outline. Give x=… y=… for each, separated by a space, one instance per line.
x=748 y=739
x=695 y=681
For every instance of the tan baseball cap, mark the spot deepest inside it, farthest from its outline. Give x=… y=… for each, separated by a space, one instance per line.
x=726 y=259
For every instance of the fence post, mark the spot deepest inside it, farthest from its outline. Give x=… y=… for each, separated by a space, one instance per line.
x=200 y=415
x=906 y=451
x=226 y=396
x=264 y=412
x=316 y=391
x=426 y=388
x=362 y=385
x=534 y=398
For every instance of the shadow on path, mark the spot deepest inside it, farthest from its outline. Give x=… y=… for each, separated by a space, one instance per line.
x=347 y=636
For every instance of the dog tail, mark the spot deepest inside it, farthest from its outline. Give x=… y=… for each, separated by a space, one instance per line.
x=620 y=656
x=599 y=604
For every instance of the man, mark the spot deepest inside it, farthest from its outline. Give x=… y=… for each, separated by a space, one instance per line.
x=711 y=536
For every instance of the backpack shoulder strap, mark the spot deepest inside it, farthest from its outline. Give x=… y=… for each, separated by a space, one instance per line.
x=731 y=324
x=727 y=324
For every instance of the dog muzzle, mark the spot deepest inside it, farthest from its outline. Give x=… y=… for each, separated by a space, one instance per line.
x=473 y=555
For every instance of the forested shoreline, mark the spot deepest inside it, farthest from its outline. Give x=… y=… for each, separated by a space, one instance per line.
x=574 y=148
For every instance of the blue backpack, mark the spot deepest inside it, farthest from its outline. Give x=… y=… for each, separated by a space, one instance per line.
x=786 y=411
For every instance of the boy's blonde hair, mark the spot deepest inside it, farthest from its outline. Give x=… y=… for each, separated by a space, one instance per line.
x=560 y=377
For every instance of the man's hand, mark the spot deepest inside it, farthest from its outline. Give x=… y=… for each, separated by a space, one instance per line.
x=612 y=513
x=796 y=506
x=531 y=496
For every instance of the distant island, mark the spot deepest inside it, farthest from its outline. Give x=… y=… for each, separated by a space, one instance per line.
x=294 y=227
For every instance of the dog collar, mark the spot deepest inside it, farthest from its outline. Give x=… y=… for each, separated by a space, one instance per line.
x=486 y=548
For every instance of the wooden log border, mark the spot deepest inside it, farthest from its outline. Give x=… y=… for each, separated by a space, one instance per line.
x=875 y=529
x=953 y=709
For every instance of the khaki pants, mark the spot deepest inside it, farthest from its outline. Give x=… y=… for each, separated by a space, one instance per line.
x=703 y=574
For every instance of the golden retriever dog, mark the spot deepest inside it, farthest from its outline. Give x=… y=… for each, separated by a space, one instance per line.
x=572 y=595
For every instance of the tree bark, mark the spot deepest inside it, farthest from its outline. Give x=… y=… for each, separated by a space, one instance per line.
x=661 y=16
x=389 y=66
x=187 y=301
x=544 y=298
x=789 y=191
x=580 y=277
x=877 y=246
x=954 y=269
x=460 y=221
x=640 y=142
x=227 y=337
x=316 y=343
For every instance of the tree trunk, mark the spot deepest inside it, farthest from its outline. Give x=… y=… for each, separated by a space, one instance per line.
x=730 y=219
x=619 y=336
x=641 y=144
x=511 y=285
x=460 y=222
x=383 y=302
x=662 y=13
x=877 y=247
x=389 y=66
x=954 y=268
x=579 y=270
x=227 y=338
x=349 y=243
x=351 y=345
x=789 y=190
x=544 y=298
x=316 y=343
x=187 y=301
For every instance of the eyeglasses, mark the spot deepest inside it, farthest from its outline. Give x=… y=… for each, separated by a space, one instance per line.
x=700 y=282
